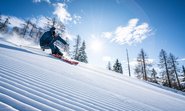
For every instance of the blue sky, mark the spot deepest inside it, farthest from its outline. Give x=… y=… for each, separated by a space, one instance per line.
x=111 y=26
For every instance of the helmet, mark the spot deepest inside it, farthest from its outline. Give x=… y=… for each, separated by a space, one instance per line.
x=52 y=28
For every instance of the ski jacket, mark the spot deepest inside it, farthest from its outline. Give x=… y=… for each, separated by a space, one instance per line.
x=48 y=39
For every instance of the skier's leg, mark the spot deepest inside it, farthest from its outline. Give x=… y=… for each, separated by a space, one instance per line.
x=57 y=50
x=53 y=48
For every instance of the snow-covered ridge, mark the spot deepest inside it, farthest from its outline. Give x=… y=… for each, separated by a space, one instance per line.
x=32 y=80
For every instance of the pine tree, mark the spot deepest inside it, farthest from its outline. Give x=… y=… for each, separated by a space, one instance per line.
x=82 y=56
x=117 y=67
x=16 y=30
x=76 y=46
x=153 y=75
x=109 y=66
x=163 y=65
x=173 y=68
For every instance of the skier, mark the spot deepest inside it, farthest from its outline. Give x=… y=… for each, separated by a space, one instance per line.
x=47 y=41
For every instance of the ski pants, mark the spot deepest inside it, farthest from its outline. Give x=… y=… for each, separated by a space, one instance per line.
x=54 y=49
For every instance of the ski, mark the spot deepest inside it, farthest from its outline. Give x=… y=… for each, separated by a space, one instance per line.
x=72 y=62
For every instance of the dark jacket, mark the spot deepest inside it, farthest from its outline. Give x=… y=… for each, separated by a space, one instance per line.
x=48 y=39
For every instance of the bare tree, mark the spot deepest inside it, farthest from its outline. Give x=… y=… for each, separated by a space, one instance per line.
x=32 y=29
x=173 y=69
x=183 y=69
x=128 y=63
x=163 y=64
x=144 y=63
x=141 y=69
x=4 y=25
x=25 y=28
x=38 y=34
x=53 y=22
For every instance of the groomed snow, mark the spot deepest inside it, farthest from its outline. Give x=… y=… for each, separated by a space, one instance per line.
x=31 y=80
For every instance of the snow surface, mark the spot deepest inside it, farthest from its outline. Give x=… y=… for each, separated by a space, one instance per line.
x=31 y=80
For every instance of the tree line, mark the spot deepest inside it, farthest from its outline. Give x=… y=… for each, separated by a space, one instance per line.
x=168 y=65
x=169 y=70
x=28 y=28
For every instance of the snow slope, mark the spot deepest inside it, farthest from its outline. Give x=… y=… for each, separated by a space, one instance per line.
x=31 y=80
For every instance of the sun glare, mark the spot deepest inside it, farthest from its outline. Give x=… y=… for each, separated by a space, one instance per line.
x=96 y=45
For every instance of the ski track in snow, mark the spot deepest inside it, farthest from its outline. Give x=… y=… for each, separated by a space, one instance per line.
x=31 y=80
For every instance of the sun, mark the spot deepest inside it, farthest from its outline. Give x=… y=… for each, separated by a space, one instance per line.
x=96 y=45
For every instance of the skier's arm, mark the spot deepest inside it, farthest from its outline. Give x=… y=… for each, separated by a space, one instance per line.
x=61 y=40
